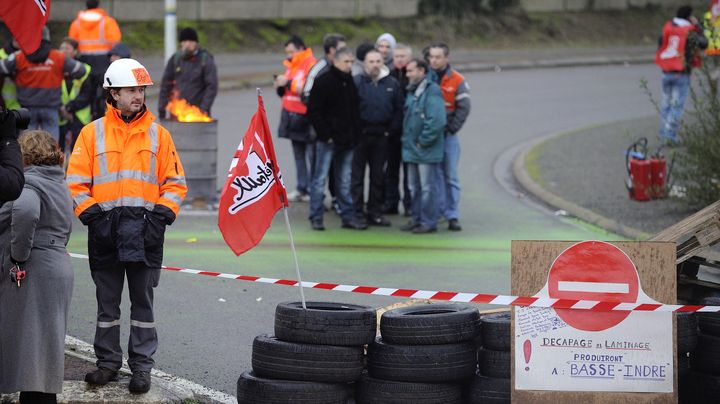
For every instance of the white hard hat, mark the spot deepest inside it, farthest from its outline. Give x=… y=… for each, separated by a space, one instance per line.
x=126 y=73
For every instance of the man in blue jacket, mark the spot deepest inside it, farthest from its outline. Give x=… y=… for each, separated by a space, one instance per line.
x=423 y=145
x=381 y=106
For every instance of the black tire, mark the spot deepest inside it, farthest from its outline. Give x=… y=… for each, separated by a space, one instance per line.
x=378 y=391
x=686 y=389
x=256 y=390
x=495 y=363
x=687 y=329
x=709 y=323
x=496 y=331
x=488 y=390
x=706 y=357
x=430 y=324
x=421 y=363
x=706 y=387
x=325 y=323
x=277 y=359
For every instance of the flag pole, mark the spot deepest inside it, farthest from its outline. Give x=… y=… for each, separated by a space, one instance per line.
x=292 y=247
x=292 y=241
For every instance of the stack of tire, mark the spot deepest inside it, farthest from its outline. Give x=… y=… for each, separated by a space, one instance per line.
x=705 y=359
x=686 y=326
x=424 y=355
x=492 y=382
x=314 y=357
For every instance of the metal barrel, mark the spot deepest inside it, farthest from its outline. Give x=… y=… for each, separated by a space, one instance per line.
x=197 y=146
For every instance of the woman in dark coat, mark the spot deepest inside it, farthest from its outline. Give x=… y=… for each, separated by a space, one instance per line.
x=34 y=230
x=11 y=174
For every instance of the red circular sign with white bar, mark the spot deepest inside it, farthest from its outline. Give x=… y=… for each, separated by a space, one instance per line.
x=593 y=270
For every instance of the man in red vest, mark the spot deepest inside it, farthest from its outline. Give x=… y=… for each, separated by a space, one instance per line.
x=38 y=77
x=679 y=51
x=456 y=93
x=294 y=125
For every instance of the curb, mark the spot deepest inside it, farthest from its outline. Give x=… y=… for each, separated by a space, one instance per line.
x=586 y=215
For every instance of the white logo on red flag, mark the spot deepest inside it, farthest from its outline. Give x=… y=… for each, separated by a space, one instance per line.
x=256 y=184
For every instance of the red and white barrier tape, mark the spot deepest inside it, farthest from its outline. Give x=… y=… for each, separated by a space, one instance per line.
x=480 y=298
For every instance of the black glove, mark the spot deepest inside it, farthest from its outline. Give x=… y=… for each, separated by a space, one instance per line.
x=163 y=214
x=8 y=130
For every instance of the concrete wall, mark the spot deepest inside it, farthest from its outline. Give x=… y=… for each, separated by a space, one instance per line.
x=143 y=10
x=140 y=10
x=577 y=5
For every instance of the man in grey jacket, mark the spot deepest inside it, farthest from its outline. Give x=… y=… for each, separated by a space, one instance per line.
x=192 y=72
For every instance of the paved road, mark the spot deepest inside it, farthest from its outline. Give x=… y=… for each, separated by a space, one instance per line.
x=207 y=324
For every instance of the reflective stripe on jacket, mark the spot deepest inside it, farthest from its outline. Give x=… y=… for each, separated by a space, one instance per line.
x=95 y=31
x=118 y=164
x=66 y=96
x=296 y=72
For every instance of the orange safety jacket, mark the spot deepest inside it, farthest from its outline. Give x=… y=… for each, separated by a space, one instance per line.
x=296 y=73
x=95 y=31
x=670 y=56
x=118 y=164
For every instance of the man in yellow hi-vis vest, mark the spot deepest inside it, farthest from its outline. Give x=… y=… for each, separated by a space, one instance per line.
x=8 y=97
x=76 y=98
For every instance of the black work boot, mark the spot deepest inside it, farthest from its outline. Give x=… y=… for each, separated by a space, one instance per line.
x=101 y=376
x=139 y=382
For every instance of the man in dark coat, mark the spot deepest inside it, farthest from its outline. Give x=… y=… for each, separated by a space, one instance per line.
x=333 y=112
x=381 y=106
x=192 y=72
x=12 y=178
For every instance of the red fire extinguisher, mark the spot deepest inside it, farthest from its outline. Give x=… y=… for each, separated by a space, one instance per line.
x=660 y=174
x=639 y=179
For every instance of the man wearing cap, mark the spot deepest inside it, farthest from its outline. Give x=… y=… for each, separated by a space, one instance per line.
x=127 y=185
x=119 y=51
x=192 y=73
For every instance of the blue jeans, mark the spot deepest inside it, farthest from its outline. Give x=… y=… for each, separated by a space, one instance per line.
x=304 y=158
x=422 y=179
x=675 y=90
x=448 y=179
x=45 y=119
x=326 y=153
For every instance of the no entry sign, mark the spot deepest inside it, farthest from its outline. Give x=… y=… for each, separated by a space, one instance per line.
x=564 y=350
x=593 y=270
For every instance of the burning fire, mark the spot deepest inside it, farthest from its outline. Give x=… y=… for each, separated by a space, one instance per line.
x=184 y=112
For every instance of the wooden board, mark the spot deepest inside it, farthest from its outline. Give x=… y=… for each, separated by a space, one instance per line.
x=655 y=262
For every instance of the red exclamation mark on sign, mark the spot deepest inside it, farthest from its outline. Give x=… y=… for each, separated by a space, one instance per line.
x=527 y=350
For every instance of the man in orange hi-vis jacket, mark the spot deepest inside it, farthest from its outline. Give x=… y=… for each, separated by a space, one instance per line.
x=127 y=185
x=96 y=33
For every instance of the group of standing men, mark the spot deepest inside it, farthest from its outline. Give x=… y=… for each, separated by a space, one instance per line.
x=394 y=111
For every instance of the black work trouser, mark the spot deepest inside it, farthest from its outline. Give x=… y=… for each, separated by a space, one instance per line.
x=371 y=151
x=392 y=177
x=143 y=340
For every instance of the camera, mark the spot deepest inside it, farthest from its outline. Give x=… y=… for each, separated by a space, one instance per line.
x=21 y=115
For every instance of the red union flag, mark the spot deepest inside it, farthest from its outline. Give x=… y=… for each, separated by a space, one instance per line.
x=254 y=190
x=25 y=19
